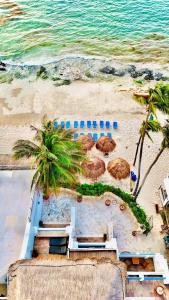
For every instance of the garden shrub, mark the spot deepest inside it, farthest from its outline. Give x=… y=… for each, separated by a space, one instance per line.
x=97 y=189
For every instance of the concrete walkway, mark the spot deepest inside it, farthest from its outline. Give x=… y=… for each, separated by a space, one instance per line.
x=14 y=206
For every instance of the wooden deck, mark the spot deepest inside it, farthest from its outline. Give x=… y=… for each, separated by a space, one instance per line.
x=145 y=289
x=92 y=254
x=48 y=234
x=144 y=265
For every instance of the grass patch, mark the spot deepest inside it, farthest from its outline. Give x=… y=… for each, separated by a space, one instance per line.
x=97 y=189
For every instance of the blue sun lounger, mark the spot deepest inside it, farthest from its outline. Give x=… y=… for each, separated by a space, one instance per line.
x=109 y=134
x=82 y=124
x=95 y=137
x=76 y=124
x=67 y=124
x=62 y=124
x=101 y=124
x=115 y=125
x=89 y=124
x=107 y=124
x=75 y=136
x=102 y=134
x=94 y=124
x=55 y=124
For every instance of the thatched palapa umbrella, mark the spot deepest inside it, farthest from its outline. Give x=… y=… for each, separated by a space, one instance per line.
x=119 y=168
x=105 y=144
x=86 y=141
x=93 y=168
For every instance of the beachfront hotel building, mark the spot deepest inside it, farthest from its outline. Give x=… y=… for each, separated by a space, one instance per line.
x=60 y=258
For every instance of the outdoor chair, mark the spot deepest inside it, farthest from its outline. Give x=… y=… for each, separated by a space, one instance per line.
x=95 y=137
x=67 y=124
x=75 y=136
x=89 y=134
x=82 y=133
x=55 y=124
x=101 y=124
x=76 y=124
x=62 y=124
x=109 y=134
x=58 y=250
x=82 y=124
x=59 y=241
x=102 y=134
x=94 y=124
x=115 y=125
x=89 y=124
x=107 y=124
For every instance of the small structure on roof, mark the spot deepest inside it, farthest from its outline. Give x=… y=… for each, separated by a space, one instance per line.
x=119 y=168
x=86 y=141
x=93 y=168
x=105 y=144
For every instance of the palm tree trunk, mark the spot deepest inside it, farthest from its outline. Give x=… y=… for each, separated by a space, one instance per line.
x=141 y=155
x=137 y=148
x=148 y=171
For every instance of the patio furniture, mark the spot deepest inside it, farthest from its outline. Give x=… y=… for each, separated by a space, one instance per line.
x=75 y=136
x=101 y=124
x=94 y=124
x=76 y=124
x=60 y=241
x=82 y=133
x=58 y=250
x=55 y=124
x=160 y=290
x=89 y=134
x=107 y=124
x=89 y=124
x=86 y=141
x=62 y=124
x=105 y=144
x=95 y=137
x=119 y=168
x=108 y=202
x=135 y=260
x=82 y=124
x=157 y=208
x=102 y=134
x=67 y=124
x=115 y=125
x=109 y=134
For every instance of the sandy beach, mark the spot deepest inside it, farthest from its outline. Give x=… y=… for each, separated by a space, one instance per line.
x=23 y=103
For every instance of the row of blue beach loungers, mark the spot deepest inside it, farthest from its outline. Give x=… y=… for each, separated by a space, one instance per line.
x=88 y=124
x=94 y=135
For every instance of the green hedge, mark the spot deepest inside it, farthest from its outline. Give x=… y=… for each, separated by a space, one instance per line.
x=98 y=189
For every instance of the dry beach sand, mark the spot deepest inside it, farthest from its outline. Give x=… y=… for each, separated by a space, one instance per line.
x=24 y=102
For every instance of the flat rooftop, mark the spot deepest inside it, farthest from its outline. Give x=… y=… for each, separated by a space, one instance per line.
x=14 y=206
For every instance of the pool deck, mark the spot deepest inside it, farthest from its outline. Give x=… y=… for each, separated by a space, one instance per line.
x=14 y=207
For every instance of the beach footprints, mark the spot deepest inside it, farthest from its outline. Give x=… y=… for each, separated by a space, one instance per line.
x=10 y=10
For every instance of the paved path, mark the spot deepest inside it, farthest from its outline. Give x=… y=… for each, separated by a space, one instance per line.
x=14 y=206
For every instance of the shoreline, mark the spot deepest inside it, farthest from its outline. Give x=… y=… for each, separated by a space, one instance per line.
x=78 y=67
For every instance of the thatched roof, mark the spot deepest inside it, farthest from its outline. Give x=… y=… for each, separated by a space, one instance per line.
x=105 y=144
x=93 y=168
x=119 y=168
x=66 y=279
x=86 y=141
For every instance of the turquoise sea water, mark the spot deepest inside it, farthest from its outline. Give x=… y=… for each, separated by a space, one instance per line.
x=136 y=30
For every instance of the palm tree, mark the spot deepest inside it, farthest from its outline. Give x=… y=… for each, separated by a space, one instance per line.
x=158 y=100
x=164 y=145
x=57 y=157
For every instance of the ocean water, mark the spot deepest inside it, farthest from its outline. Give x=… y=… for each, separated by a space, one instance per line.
x=134 y=30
